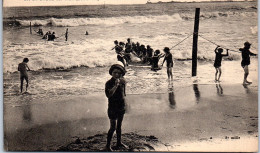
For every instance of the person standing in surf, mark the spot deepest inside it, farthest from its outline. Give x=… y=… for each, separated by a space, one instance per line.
x=128 y=50
x=217 y=63
x=115 y=92
x=119 y=51
x=155 y=59
x=246 y=60
x=169 y=62
x=23 y=67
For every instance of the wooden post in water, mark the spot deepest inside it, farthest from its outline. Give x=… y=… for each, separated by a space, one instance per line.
x=195 y=42
x=66 y=34
x=30 y=28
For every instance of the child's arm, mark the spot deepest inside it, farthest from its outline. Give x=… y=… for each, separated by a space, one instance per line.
x=110 y=92
x=216 y=49
x=161 y=55
x=226 y=54
x=28 y=67
x=163 y=60
x=252 y=54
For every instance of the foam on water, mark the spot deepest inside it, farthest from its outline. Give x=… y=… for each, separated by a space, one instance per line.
x=72 y=22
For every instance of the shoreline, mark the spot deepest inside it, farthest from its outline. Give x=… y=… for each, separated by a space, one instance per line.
x=171 y=117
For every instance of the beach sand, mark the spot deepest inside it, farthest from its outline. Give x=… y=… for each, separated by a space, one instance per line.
x=200 y=117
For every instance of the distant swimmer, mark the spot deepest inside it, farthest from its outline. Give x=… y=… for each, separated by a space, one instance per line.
x=23 y=67
x=217 y=63
x=52 y=37
x=46 y=35
x=86 y=33
x=246 y=60
x=169 y=62
x=40 y=32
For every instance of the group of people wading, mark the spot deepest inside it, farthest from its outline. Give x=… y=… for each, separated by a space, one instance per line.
x=151 y=57
x=145 y=53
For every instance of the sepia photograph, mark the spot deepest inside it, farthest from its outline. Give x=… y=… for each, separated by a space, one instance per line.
x=130 y=75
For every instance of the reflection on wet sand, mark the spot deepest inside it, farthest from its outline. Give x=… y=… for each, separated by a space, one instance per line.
x=27 y=113
x=26 y=108
x=219 y=89
x=246 y=88
x=197 y=92
x=172 y=98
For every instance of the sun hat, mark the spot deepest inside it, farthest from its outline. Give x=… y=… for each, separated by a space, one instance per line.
x=119 y=65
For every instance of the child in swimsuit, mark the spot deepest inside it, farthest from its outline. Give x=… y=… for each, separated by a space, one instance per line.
x=169 y=62
x=217 y=63
x=23 y=67
x=115 y=92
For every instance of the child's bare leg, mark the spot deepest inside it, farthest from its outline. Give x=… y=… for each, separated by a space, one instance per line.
x=110 y=134
x=21 y=87
x=170 y=70
x=168 y=73
x=246 y=74
x=216 y=74
x=219 y=73
x=27 y=83
x=118 y=131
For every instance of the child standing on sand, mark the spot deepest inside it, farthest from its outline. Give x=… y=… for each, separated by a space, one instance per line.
x=169 y=62
x=246 y=60
x=217 y=63
x=22 y=67
x=115 y=92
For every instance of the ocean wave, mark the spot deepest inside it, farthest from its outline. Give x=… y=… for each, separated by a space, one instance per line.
x=83 y=21
x=72 y=22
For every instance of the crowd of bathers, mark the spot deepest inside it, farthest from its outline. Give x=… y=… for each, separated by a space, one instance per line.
x=145 y=53
x=48 y=35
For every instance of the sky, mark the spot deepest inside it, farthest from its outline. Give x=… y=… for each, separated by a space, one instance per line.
x=10 y=3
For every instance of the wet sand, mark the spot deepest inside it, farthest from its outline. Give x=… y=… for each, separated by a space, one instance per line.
x=208 y=117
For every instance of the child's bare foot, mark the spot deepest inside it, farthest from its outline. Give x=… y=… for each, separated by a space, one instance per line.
x=121 y=145
x=109 y=149
x=248 y=82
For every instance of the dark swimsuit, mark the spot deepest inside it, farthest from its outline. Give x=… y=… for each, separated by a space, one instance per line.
x=245 y=56
x=169 y=60
x=116 y=103
x=218 y=60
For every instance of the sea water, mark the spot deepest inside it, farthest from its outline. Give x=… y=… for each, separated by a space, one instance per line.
x=80 y=65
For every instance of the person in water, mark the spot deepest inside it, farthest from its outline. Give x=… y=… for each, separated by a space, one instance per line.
x=149 y=52
x=40 y=32
x=115 y=92
x=155 y=60
x=128 y=50
x=246 y=60
x=52 y=37
x=169 y=62
x=217 y=63
x=23 y=67
x=46 y=35
x=119 y=51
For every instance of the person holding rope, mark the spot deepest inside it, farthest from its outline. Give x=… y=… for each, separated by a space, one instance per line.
x=246 y=60
x=169 y=62
x=217 y=63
